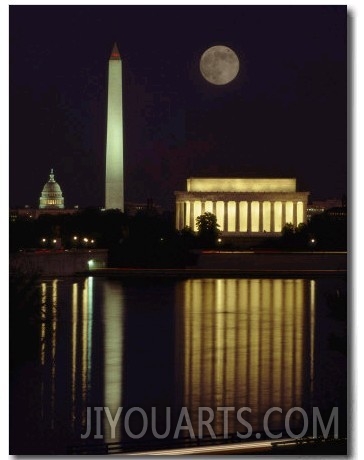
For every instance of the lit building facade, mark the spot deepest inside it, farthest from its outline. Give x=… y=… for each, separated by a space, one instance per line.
x=243 y=207
x=51 y=202
x=319 y=207
x=51 y=197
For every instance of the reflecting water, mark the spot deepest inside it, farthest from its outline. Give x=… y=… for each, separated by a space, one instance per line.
x=247 y=342
x=256 y=343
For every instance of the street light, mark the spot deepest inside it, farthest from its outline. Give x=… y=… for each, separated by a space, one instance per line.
x=312 y=243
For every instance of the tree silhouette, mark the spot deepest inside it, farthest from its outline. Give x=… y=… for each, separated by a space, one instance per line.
x=207 y=229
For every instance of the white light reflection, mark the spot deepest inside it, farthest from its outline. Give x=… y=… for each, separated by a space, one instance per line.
x=90 y=308
x=113 y=346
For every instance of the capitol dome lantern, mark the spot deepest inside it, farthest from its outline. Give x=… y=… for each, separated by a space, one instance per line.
x=51 y=197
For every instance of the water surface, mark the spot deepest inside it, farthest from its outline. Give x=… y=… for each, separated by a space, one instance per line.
x=256 y=343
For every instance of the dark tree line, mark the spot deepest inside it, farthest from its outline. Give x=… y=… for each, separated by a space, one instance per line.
x=149 y=239
x=325 y=232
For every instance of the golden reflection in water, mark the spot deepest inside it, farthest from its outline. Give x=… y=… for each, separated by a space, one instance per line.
x=74 y=349
x=84 y=348
x=81 y=340
x=43 y=288
x=113 y=349
x=312 y=337
x=245 y=342
x=80 y=349
x=54 y=343
x=48 y=346
x=90 y=310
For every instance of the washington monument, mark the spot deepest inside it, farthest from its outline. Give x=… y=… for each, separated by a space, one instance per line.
x=114 y=181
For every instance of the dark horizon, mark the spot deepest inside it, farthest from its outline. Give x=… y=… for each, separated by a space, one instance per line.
x=285 y=115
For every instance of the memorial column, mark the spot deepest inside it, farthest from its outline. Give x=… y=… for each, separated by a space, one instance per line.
x=260 y=225
x=304 y=211
x=226 y=217
x=203 y=206
x=295 y=213
x=178 y=215
x=237 y=214
x=182 y=221
x=249 y=217
x=214 y=207
x=272 y=216
x=192 y=213
x=283 y=214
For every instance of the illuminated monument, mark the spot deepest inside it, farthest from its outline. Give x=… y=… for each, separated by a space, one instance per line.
x=243 y=207
x=51 y=201
x=51 y=197
x=114 y=181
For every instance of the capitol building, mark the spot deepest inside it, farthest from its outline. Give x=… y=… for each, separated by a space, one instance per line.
x=51 y=201
x=51 y=197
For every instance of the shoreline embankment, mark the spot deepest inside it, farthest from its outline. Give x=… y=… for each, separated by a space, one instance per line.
x=209 y=264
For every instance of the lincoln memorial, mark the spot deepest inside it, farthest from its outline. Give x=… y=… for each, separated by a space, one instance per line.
x=243 y=207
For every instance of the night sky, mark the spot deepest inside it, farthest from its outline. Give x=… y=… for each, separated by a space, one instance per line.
x=283 y=116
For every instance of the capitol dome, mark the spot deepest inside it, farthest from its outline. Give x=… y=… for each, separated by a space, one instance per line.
x=51 y=197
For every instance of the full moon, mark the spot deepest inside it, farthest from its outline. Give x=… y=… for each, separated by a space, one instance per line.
x=219 y=65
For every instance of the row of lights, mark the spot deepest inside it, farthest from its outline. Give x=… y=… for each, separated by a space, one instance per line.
x=83 y=240
x=75 y=240
x=44 y=240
